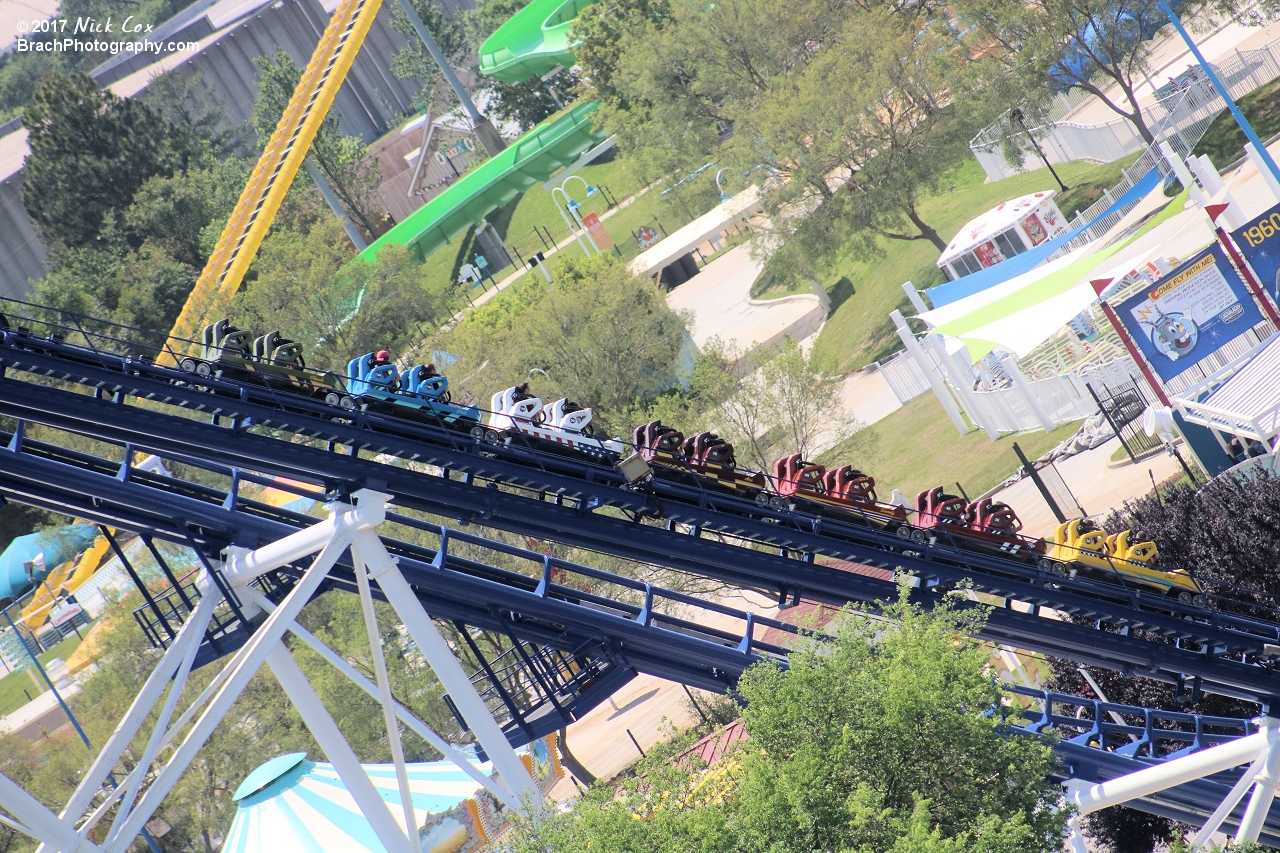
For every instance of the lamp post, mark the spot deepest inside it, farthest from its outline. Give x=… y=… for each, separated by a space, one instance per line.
x=1016 y=115
x=573 y=205
x=571 y=223
x=1249 y=133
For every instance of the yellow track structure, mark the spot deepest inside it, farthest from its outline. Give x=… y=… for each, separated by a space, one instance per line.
x=275 y=171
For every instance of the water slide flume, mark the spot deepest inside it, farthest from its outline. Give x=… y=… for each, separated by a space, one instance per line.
x=530 y=160
x=532 y=43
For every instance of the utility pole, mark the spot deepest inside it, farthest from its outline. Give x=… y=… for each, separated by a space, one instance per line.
x=485 y=131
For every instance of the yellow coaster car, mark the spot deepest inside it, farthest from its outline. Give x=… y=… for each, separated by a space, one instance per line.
x=1078 y=548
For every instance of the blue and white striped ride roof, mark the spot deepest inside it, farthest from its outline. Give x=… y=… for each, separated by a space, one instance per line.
x=307 y=809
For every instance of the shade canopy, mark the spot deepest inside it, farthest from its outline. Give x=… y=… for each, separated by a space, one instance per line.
x=1246 y=405
x=953 y=291
x=1023 y=318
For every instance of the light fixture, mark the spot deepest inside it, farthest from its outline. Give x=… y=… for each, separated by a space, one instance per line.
x=590 y=191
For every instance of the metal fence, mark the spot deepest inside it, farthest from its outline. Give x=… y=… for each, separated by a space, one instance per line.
x=1180 y=118
x=1123 y=406
x=906 y=380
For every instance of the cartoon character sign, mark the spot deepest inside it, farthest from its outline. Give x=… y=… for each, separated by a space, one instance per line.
x=1190 y=313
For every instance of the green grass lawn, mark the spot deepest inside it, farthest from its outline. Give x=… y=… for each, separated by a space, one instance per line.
x=859 y=331
x=19 y=688
x=516 y=222
x=917 y=448
x=1224 y=140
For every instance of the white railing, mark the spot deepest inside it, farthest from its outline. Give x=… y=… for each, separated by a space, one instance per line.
x=905 y=378
x=1181 y=119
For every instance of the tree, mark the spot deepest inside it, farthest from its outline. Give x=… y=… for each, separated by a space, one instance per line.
x=1093 y=45
x=90 y=153
x=768 y=405
x=605 y=335
x=1227 y=533
x=880 y=738
x=600 y=336
x=142 y=287
x=352 y=175
x=306 y=288
x=177 y=212
x=450 y=35
x=749 y=84
x=804 y=402
x=600 y=30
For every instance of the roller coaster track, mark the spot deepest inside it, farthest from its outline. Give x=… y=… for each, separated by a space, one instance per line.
x=614 y=629
x=570 y=648
x=275 y=170
x=561 y=499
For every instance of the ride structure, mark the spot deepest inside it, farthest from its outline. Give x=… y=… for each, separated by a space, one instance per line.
x=573 y=641
x=512 y=485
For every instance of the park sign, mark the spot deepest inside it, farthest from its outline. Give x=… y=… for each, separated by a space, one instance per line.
x=1259 y=242
x=1189 y=314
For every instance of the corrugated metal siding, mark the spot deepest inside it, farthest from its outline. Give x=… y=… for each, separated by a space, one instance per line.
x=372 y=101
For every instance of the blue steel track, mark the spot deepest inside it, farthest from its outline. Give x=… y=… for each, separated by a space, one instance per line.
x=574 y=642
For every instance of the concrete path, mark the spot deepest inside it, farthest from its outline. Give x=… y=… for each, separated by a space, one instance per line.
x=1170 y=57
x=719 y=298
x=1097 y=487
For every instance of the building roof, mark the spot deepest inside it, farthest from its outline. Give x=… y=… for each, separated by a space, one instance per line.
x=290 y=803
x=982 y=228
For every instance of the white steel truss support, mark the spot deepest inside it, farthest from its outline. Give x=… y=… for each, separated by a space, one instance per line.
x=348 y=527
x=1264 y=790
x=146 y=699
x=243 y=665
x=340 y=754
x=199 y=621
x=384 y=695
x=448 y=750
x=370 y=551
x=1261 y=750
x=38 y=821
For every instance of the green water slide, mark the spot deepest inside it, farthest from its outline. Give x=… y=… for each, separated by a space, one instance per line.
x=531 y=159
x=534 y=41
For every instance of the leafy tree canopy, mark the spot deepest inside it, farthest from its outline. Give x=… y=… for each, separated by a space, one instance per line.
x=752 y=86
x=599 y=335
x=91 y=152
x=880 y=738
x=1100 y=46
x=304 y=287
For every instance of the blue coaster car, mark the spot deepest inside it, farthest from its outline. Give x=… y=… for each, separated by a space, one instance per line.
x=418 y=394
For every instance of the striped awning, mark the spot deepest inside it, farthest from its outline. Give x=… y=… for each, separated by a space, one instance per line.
x=300 y=806
x=1246 y=405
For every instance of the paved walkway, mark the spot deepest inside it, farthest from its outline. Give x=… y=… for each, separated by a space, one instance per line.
x=719 y=298
x=1170 y=57
x=1098 y=487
